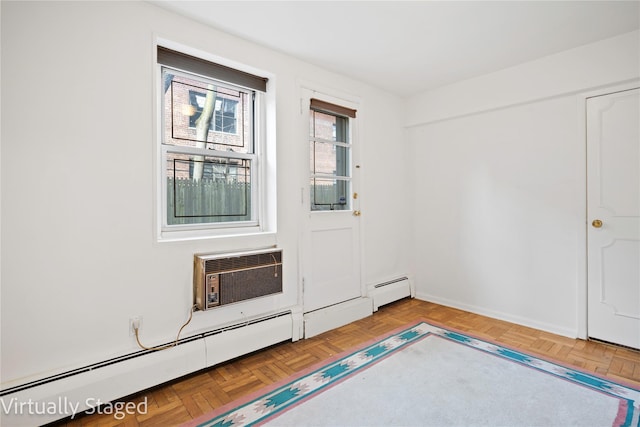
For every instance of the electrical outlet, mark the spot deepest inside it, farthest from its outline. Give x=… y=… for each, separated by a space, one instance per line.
x=134 y=322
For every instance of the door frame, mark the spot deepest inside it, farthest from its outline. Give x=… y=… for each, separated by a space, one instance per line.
x=581 y=273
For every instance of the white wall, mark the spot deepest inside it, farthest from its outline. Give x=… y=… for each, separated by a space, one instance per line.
x=79 y=249
x=499 y=186
x=571 y=71
x=493 y=168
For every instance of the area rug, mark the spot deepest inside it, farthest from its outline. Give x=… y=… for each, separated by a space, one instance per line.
x=430 y=375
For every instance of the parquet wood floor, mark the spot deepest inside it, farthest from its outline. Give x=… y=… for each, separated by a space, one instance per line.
x=187 y=398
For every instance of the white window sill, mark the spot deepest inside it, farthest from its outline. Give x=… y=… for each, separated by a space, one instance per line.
x=191 y=235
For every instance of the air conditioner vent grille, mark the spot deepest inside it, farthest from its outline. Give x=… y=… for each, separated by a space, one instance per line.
x=244 y=262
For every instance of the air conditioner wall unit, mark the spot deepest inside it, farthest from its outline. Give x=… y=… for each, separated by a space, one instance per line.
x=220 y=279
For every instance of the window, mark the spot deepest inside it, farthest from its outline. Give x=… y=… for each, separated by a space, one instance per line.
x=209 y=142
x=224 y=111
x=330 y=162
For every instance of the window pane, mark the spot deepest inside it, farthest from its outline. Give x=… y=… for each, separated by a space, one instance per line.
x=204 y=189
x=329 y=155
x=330 y=159
x=329 y=194
x=225 y=111
x=329 y=127
x=198 y=114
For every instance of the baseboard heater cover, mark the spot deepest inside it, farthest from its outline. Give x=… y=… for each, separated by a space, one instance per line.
x=243 y=340
x=142 y=370
x=390 y=291
x=325 y=319
x=105 y=385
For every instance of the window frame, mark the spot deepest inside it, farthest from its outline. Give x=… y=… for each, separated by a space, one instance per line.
x=262 y=214
x=325 y=108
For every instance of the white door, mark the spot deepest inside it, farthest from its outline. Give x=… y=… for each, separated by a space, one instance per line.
x=331 y=226
x=613 y=217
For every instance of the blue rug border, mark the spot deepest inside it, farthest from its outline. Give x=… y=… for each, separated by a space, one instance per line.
x=576 y=376
x=583 y=378
x=322 y=368
x=407 y=336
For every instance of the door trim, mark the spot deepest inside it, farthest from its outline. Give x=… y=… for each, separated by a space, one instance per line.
x=581 y=264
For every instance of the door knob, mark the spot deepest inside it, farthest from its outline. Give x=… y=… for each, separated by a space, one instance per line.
x=597 y=223
x=357 y=213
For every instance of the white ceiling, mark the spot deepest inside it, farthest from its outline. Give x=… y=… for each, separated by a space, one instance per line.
x=408 y=46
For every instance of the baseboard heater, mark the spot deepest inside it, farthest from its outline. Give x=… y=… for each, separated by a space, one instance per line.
x=389 y=291
x=334 y=316
x=119 y=377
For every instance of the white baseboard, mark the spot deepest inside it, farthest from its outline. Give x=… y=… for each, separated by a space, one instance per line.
x=319 y=321
x=519 y=320
x=385 y=293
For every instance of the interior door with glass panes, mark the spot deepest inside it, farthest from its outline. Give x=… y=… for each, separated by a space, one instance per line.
x=331 y=226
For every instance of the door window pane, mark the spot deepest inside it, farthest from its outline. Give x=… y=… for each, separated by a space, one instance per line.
x=329 y=194
x=330 y=158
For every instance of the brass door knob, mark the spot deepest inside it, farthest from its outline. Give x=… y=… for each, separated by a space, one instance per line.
x=356 y=213
x=597 y=223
